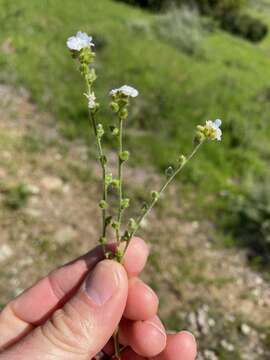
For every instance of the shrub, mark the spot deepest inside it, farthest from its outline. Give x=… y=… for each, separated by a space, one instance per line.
x=182 y=28
x=244 y=26
x=227 y=12
x=249 y=219
x=206 y=6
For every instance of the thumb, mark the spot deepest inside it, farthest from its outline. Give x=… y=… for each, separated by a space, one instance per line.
x=83 y=326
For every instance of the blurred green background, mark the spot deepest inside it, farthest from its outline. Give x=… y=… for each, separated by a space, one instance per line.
x=190 y=64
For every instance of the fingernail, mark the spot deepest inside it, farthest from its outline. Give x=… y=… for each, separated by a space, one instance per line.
x=102 y=283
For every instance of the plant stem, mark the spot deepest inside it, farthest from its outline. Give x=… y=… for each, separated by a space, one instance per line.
x=120 y=178
x=161 y=191
x=116 y=344
x=103 y=167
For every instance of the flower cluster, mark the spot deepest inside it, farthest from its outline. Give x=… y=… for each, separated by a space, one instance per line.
x=210 y=131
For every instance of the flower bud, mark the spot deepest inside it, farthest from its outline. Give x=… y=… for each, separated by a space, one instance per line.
x=124 y=155
x=103 y=160
x=125 y=203
x=108 y=220
x=199 y=138
x=115 y=183
x=155 y=195
x=182 y=160
x=102 y=240
x=114 y=130
x=169 y=171
x=126 y=236
x=108 y=179
x=119 y=253
x=132 y=224
x=100 y=130
x=123 y=114
x=115 y=225
x=114 y=106
x=103 y=205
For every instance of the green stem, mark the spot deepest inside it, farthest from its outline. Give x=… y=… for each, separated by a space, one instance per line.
x=120 y=178
x=104 y=171
x=116 y=344
x=161 y=191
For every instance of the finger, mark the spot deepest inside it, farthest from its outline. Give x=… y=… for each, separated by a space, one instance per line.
x=142 y=302
x=129 y=354
x=181 y=346
x=136 y=256
x=86 y=322
x=36 y=304
x=146 y=338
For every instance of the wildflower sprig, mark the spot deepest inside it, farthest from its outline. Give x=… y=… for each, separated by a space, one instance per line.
x=119 y=105
x=81 y=48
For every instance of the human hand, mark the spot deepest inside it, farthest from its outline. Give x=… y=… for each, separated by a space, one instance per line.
x=73 y=312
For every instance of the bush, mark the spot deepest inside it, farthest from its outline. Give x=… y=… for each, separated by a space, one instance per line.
x=244 y=26
x=182 y=28
x=227 y=12
x=249 y=219
x=206 y=6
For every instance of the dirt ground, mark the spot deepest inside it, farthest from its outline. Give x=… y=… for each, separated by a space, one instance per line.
x=48 y=215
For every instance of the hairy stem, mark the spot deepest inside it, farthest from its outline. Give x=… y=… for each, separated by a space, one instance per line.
x=120 y=178
x=103 y=167
x=161 y=191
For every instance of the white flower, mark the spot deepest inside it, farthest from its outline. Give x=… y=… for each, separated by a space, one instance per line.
x=80 y=41
x=213 y=129
x=91 y=100
x=126 y=90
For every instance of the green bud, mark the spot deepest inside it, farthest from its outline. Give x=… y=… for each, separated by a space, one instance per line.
x=125 y=203
x=119 y=253
x=108 y=179
x=109 y=255
x=123 y=114
x=155 y=195
x=132 y=224
x=100 y=130
x=114 y=130
x=84 y=69
x=86 y=56
x=103 y=204
x=115 y=183
x=144 y=207
x=126 y=236
x=103 y=160
x=169 y=171
x=103 y=241
x=108 y=220
x=182 y=159
x=124 y=156
x=114 y=106
x=91 y=76
x=115 y=225
x=199 y=138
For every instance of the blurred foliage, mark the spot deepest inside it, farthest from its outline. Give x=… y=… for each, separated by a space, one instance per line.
x=183 y=29
x=248 y=219
x=16 y=196
x=245 y=26
x=229 y=13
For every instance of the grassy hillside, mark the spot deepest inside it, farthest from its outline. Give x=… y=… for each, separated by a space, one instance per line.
x=229 y=80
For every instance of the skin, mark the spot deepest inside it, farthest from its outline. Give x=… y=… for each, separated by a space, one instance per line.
x=56 y=319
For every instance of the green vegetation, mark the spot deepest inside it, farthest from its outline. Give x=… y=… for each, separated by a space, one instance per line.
x=17 y=196
x=229 y=80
